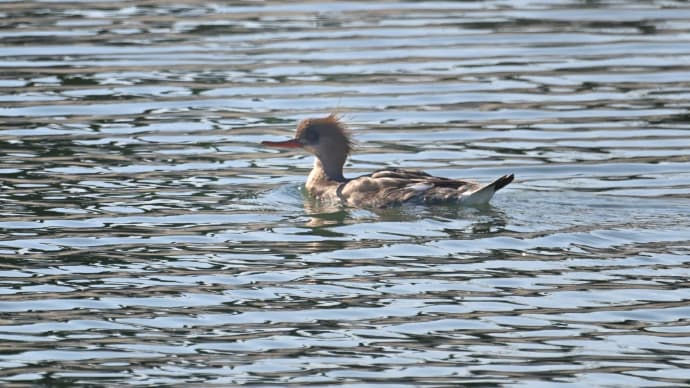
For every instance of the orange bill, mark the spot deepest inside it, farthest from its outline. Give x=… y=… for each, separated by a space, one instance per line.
x=292 y=143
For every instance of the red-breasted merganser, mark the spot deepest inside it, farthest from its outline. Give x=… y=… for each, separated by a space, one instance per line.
x=328 y=140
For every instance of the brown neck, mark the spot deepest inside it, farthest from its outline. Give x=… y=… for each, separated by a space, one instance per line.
x=319 y=183
x=332 y=171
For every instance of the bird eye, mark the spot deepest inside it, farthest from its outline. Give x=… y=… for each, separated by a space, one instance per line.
x=312 y=136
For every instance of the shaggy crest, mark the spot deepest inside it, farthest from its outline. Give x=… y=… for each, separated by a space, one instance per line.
x=329 y=126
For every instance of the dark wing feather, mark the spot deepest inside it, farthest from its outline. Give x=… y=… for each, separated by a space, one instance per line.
x=399 y=173
x=391 y=186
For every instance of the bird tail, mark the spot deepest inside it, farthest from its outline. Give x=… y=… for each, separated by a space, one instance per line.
x=501 y=182
x=485 y=194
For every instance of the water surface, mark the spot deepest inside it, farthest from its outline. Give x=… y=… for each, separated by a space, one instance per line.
x=148 y=239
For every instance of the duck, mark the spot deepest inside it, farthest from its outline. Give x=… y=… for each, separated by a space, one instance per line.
x=329 y=140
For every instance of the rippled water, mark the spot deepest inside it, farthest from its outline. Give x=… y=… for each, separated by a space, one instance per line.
x=148 y=239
